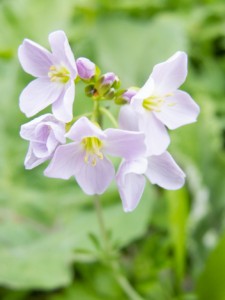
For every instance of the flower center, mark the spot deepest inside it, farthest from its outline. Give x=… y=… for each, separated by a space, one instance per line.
x=92 y=146
x=155 y=103
x=59 y=74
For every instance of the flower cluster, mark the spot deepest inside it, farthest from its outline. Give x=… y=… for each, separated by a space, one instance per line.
x=79 y=146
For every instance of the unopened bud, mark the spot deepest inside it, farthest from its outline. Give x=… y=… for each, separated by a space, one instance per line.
x=106 y=82
x=129 y=94
x=86 y=68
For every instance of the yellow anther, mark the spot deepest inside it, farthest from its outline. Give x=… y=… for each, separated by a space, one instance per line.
x=155 y=103
x=92 y=147
x=59 y=74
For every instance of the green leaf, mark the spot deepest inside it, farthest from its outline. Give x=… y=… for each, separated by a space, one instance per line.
x=178 y=213
x=211 y=282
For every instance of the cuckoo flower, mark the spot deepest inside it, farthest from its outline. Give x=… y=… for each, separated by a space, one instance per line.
x=159 y=103
x=45 y=133
x=55 y=72
x=85 y=157
x=159 y=169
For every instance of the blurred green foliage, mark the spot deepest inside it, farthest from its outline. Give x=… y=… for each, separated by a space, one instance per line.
x=172 y=246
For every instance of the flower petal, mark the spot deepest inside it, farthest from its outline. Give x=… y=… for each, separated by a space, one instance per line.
x=31 y=161
x=164 y=171
x=64 y=162
x=128 y=118
x=39 y=94
x=62 y=51
x=123 y=143
x=131 y=182
x=94 y=179
x=40 y=150
x=84 y=128
x=145 y=92
x=27 y=130
x=34 y=59
x=178 y=110
x=169 y=75
x=156 y=135
x=63 y=107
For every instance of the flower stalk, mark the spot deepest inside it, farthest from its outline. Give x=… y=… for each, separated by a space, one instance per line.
x=109 y=259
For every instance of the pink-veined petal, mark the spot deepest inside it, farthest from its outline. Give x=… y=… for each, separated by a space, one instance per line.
x=38 y=95
x=34 y=59
x=94 y=179
x=178 y=110
x=128 y=118
x=58 y=130
x=164 y=171
x=51 y=142
x=27 y=130
x=123 y=143
x=84 y=128
x=63 y=107
x=156 y=136
x=131 y=182
x=31 y=161
x=169 y=75
x=62 y=51
x=40 y=150
x=65 y=161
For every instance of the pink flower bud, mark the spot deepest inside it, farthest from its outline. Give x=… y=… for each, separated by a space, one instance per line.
x=86 y=68
x=128 y=94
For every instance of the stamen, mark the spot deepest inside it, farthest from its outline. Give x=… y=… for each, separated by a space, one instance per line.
x=59 y=74
x=155 y=103
x=92 y=147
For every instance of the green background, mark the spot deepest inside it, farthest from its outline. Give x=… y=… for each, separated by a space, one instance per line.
x=173 y=245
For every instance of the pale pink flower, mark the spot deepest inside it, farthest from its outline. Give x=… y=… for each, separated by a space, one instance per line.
x=86 y=157
x=45 y=134
x=55 y=72
x=159 y=103
x=159 y=169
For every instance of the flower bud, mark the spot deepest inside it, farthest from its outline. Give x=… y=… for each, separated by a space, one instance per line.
x=125 y=96
x=86 y=68
x=128 y=94
x=106 y=82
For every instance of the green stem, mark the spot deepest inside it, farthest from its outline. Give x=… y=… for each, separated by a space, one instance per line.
x=124 y=283
x=101 y=223
x=108 y=114
x=120 y=278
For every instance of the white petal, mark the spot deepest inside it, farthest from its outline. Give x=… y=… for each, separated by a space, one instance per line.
x=40 y=150
x=84 y=128
x=94 y=179
x=178 y=110
x=169 y=75
x=145 y=92
x=123 y=143
x=131 y=182
x=34 y=59
x=164 y=171
x=38 y=95
x=31 y=161
x=27 y=130
x=63 y=107
x=128 y=118
x=65 y=161
x=62 y=51
x=156 y=135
